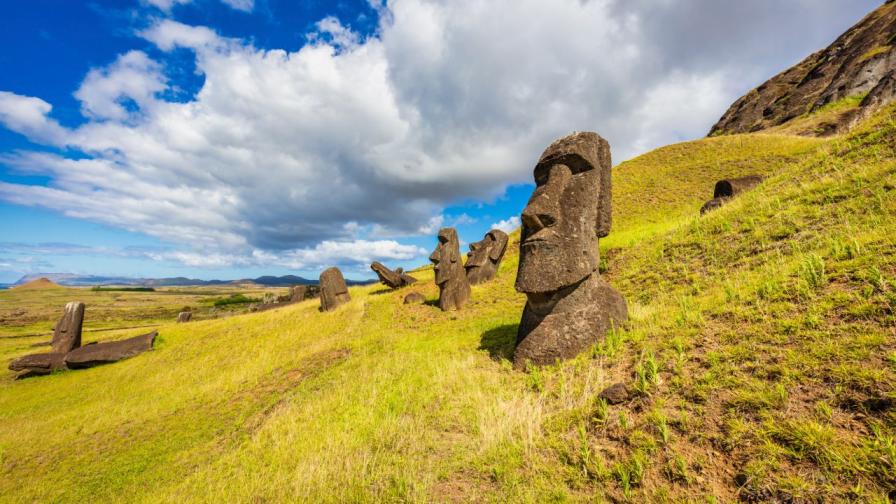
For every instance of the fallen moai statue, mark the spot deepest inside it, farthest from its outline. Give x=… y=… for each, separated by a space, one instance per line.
x=333 y=291
x=69 y=354
x=729 y=188
x=485 y=257
x=96 y=354
x=454 y=289
x=392 y=279
x=184 y=316
x=568 y=306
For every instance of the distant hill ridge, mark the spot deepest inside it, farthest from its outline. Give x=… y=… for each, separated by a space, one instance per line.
x=856 y=75
x=68 y=279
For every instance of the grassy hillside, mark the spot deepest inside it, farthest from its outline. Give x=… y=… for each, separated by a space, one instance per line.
x=762 y=347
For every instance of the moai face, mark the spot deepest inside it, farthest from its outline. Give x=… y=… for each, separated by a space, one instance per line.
x=446 y=257
x=485 y=256
x=568 y=210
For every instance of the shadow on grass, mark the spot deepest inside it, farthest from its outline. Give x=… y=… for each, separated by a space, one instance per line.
x=499 y=341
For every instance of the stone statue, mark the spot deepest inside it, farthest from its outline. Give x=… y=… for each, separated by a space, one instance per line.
x=184 y=317
x=333 y=291
x=454 y=289
x=392 y=279
x=67 y=333
x=729 y=188
x=485 y=257
x=569 y=307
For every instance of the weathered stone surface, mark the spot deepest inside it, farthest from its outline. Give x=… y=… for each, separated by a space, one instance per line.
x=113 y=351
x=454 y=289
x=392 y=279
x=615 y=394
x=184 y=316
x=729 y=188
x=67 y=334
x=712 y=205
x=333 y=291
x=414 y=298
x=37 y=364
x=856 y=63
x=297 y=293
x=568 y=306
x=485 y=257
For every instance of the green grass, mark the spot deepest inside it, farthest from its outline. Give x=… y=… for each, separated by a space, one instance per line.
x=762 y=347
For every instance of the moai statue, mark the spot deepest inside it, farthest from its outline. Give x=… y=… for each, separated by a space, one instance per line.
x=297 y=293
x=454 y=289
x=485 y=257
x=67 y=334
x=184 y=316
x=333 y=291
x=569 y=307
x=392 y=279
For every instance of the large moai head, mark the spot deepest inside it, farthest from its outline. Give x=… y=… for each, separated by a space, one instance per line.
x=454 y=289
x=569 y=209
x=485 y=256
x=333 y=290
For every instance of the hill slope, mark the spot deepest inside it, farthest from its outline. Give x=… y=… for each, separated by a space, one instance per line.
x=37 y=284
x=861 y=61
x=762 y=346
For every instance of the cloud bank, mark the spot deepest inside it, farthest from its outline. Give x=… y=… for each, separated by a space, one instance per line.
x=298 y=157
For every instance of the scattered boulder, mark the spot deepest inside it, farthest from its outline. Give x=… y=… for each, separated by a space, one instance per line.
x=333 y=291
x=485 y=257
x=454 y=289
x=414 y=298
x=114 y=351
x=568 y=307
x=67 y=333
x=729 y=188
x=184 y=316
x=615 y=394
x=392 y=279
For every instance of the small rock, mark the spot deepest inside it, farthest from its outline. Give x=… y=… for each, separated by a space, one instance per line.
x=615 y=394
x=414 y=298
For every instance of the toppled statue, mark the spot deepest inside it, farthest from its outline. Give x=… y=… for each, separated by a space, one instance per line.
x=392 y=279
x=333 y=291
x=729 y=188
x=454 y=289
x=485 y=257
x=67 y=352
x=67 y=333
x=569 y=307
x=112 y=351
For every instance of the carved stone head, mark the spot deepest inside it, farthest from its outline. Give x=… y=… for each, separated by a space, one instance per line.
x=333 y=290
x=569 y=209
x=485 y=256
x=454 y=289
x=446 y=257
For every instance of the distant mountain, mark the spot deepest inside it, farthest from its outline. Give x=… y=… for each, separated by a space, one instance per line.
x=860 y=67
x=72 y=280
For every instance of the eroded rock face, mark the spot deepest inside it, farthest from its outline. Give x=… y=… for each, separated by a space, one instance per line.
x=333 y=291
x=113 y=351
x=37 y=364
x=569 y=307
x=67 y=334
x=485 y=257
x=392 y=279
x=183 y=317
x=454 y=289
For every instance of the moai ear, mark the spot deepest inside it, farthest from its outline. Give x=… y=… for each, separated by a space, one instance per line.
x=497 y=249
x=604 y=202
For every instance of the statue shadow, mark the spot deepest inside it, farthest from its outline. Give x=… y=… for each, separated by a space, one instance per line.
x=384 y=290
x=499 y=341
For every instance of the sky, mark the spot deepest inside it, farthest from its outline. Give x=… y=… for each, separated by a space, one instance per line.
x=225 y=139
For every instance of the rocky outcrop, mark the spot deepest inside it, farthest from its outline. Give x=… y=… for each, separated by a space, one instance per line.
x=113 y=351
x=860 y=61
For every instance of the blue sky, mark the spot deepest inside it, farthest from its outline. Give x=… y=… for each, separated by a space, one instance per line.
x=235 y=138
